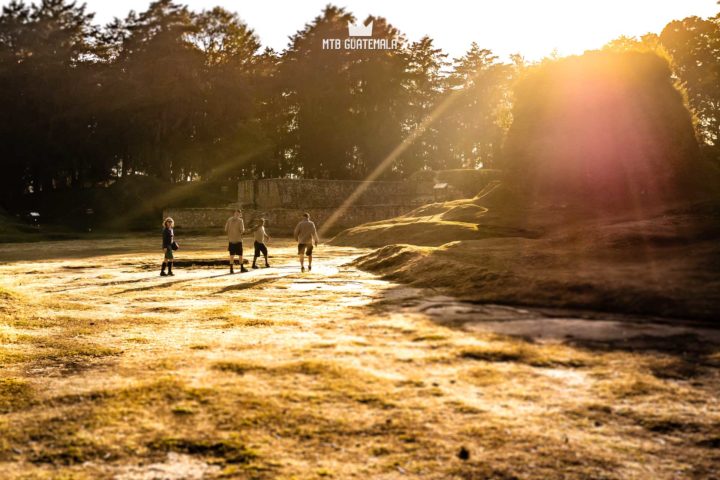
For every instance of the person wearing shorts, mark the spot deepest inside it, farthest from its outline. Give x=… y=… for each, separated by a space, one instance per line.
x=307 y=237
x=167 y=245
x=260 y=237
x=235 y=227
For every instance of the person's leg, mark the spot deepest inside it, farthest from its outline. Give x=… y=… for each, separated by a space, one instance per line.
x=242 y=267
x=168 y=261
x=263 y=249
x=257 y=254
x=301 y=256
x=232 y=263
x=162 y=270
x=309 y=255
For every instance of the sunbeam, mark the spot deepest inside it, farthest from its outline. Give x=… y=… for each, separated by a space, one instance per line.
x=167 y=197
x=388 y=161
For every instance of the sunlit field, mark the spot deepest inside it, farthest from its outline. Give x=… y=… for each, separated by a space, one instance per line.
x=108 y=370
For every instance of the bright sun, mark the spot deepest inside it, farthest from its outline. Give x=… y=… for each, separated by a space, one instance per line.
x=535 y=29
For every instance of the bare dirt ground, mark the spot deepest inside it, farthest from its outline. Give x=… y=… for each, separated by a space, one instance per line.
x=109 y=371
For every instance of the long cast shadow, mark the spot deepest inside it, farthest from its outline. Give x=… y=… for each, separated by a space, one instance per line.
x=246 y=286
x=167 y=284
x=689 y=343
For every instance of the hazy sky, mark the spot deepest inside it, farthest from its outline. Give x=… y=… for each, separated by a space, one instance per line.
x=530 y=27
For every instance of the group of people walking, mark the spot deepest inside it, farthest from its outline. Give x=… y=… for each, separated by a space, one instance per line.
x=305 y=234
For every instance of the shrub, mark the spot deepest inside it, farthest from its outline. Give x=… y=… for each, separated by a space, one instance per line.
x=604 y=129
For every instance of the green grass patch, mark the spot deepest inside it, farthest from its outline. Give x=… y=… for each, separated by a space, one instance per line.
x=10 y=356
x=139 y=340
x=430 y=337
x=15 y=394
x=533 y=355
x=11 y=302
x=7 y=294
x=183 y=409
x=76 y=428
x=238 y=367
x=320 y=368
x=635 y=386
x=248 y=322
x=62 y=350
x=72 y=451
x=485 y=376
x=229 y=450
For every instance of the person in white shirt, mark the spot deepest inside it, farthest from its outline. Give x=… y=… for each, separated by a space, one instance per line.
x=260 y=237
x=306 y=236
x=235 y=227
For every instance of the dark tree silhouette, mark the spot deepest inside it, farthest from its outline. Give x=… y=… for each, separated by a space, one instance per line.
x=171 y=95
x=603 y=131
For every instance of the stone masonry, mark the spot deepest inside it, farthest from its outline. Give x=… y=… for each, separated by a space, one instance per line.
x=282 y=201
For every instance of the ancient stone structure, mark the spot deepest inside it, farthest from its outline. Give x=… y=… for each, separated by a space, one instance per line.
x=282 y=221
x=308 y=193
x=282 y=201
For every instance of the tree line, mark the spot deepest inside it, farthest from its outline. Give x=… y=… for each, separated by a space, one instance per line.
x=182 y=95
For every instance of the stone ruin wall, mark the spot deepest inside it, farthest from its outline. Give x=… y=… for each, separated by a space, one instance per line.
x=282 y=202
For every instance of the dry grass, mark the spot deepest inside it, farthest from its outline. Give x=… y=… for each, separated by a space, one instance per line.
x=545 y=355
x=484 y=250
x=275 y=374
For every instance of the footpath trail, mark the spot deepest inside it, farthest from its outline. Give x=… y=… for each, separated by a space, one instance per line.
x=108 y=370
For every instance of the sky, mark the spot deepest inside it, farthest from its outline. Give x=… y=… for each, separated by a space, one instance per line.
x=533 y=28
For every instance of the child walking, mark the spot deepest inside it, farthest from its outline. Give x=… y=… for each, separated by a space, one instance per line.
x=167 y=245
x=260 y=237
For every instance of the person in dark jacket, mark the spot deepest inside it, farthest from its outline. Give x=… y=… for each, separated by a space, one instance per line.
x=167 y=245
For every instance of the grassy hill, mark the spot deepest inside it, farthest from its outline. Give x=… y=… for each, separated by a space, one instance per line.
x=482 y=250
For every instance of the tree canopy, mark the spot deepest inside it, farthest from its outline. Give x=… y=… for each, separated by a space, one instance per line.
x=182 y=95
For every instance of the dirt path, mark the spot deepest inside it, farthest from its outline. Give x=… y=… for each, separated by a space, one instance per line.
x=109 y=371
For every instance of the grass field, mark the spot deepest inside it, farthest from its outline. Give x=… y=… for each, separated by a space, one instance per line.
x=109 y=371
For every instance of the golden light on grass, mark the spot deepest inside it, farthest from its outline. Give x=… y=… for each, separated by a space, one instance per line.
x=388 y=161
x=339 y=391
